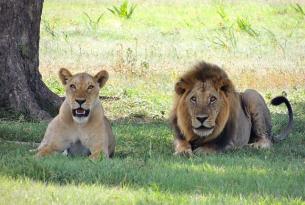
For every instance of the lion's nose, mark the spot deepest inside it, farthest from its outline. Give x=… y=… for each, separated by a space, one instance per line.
x=202 y=118
x=80 y=102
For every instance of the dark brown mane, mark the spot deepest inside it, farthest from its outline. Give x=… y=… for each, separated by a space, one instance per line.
x=205 y=71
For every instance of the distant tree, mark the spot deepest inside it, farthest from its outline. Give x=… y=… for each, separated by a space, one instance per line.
x=21 y=86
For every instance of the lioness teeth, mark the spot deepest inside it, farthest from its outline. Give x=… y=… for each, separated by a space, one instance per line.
x=80 y=111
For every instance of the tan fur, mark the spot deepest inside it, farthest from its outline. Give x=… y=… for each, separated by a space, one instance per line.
x=93 y=131
x=209 y=115
x=182 y=146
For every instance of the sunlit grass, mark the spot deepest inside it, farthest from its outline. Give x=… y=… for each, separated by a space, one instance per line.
x=171 y=35
x=27 y=191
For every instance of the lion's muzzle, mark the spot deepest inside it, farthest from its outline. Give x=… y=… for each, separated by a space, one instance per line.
x=203 y=131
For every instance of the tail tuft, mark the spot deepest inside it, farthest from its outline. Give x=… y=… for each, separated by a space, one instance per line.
x=277 y=101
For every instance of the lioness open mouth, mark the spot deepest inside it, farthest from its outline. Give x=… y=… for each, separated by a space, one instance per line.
x=80 y=112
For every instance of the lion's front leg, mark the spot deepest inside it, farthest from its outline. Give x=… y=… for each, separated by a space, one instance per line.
x=50 y=148
x=97 y=145
x=45 y=150
x=56 y=139
x=95 y=152
x=182 y=147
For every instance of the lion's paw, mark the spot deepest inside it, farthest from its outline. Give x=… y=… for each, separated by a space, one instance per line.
x=187 y=152
x=261 y=144
x=183 y=148
x=204 y=151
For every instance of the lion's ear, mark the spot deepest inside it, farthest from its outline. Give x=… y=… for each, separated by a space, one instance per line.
x=64 y=75
x=227 y=86
x=101 y=77
x=180 y=87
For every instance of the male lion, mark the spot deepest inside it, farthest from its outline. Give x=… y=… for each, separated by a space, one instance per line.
x=81 y=120
x=210 y=116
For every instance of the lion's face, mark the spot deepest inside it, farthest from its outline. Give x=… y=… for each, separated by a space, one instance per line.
x=82 y=92
x=203 y=105
x=204 y=99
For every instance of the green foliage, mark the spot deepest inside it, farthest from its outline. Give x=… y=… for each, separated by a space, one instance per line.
x=298 y=9
x=223 y=15
x=55 y=86
x=124 y=10
x=225 y=38
x=49 y=28
x=92 y=24
x=245 y=26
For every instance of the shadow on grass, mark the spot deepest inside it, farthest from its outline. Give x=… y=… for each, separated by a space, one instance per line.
x=144 y=160
x=236 y=173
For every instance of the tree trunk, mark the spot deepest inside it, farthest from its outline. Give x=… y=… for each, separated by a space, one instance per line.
x=21 y=87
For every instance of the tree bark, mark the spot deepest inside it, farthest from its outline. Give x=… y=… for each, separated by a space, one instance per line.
x=21 y=87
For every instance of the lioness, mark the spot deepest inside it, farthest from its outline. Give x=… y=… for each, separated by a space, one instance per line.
x=81 y=120
x=210 y=116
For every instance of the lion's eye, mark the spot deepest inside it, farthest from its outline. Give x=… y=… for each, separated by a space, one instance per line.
x=90 y=87
x=72 y=86
x=213 y=99
x=193 y=99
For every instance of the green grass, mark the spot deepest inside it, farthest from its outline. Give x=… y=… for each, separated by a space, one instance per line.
x=242 y=176
x=144 y=169
x=259 y=44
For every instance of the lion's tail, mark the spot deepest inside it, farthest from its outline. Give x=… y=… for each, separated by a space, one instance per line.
x=284 y=133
